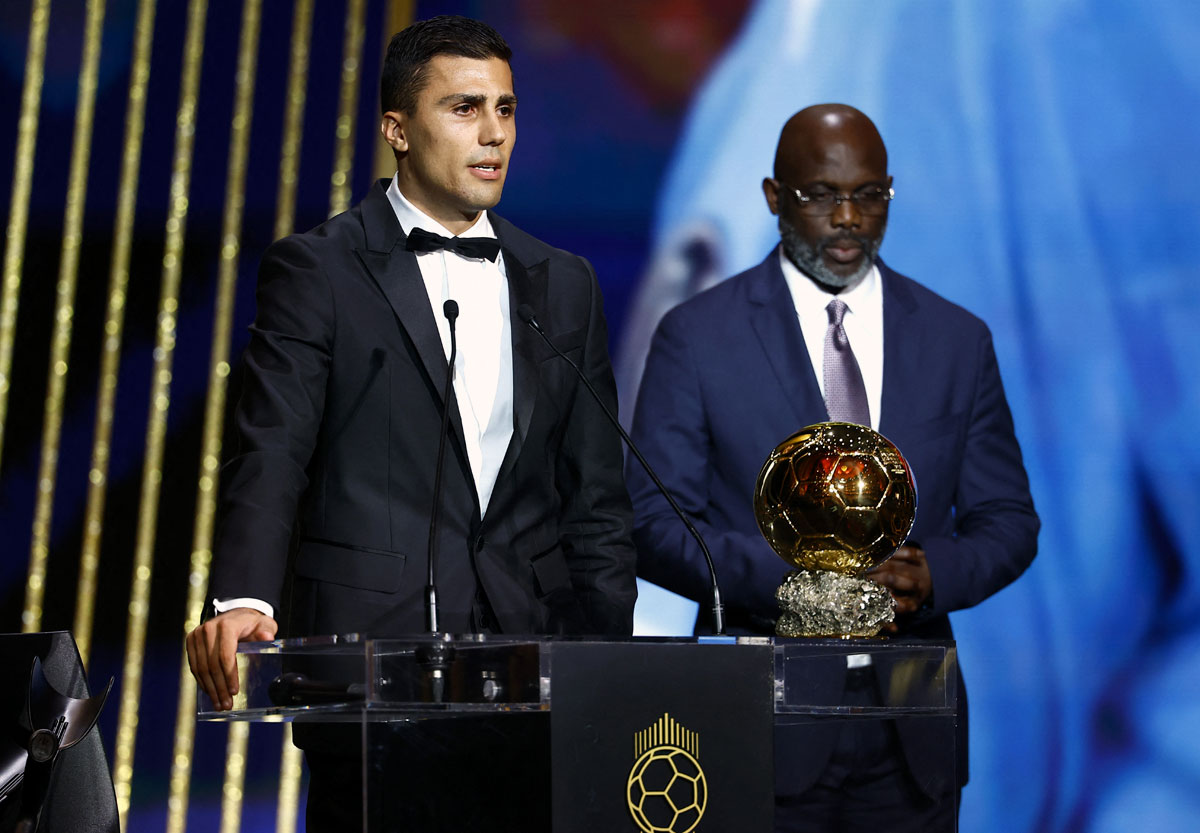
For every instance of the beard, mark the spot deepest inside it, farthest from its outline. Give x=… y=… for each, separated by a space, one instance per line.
x=807 y=257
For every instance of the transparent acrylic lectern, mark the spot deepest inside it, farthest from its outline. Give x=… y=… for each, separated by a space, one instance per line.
x=537 y=734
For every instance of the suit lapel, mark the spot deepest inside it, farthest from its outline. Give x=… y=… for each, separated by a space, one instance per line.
x=395 y=270
x=778 y=330
x=779 y=333
x=902 y=351
x=527 y=284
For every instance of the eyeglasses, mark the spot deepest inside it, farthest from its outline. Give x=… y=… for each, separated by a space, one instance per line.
x=870 y=200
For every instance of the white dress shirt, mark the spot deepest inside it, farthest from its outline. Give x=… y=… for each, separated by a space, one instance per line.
x=863 y=324
x=483 y=367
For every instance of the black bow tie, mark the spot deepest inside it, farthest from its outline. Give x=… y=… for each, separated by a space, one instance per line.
x=481 y=248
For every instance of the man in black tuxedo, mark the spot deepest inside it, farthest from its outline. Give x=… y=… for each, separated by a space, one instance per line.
x=326 y=504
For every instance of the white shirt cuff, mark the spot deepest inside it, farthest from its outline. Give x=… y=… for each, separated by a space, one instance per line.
x=222 y=605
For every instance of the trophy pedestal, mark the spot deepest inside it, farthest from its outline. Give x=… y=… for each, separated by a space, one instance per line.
x=824 y=603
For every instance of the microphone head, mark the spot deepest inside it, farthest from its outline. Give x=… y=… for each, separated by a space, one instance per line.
x=525 y=313
x=282 y=689
x=450 y=310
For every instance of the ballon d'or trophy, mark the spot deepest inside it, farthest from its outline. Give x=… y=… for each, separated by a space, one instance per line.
x=834 y=500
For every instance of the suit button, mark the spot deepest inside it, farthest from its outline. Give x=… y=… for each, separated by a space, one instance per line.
x=480 y=543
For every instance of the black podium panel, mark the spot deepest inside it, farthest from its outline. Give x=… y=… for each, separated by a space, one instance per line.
x=662 y=737
x=471 y=772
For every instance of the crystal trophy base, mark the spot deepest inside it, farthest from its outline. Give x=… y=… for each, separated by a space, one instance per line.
x=829 y=604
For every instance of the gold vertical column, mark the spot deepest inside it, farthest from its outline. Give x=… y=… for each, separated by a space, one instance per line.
x=160 y=400
x=293 y=119
x=285 y=219
x=343 y=156
x=210 y=453
x=18 y=210
x=64 y=318
x=289 y=785
x=232 y=791
x=114 y=323
x=399 y=15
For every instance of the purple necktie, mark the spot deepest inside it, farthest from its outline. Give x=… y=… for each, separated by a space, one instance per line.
x=845 y=393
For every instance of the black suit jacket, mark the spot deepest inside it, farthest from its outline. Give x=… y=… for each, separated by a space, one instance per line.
x=325 y=508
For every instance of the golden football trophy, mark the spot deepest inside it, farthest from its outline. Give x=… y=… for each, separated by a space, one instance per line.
x=834 y=500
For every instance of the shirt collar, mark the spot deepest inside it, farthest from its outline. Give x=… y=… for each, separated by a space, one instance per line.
x=807 y=295
x=411 y=217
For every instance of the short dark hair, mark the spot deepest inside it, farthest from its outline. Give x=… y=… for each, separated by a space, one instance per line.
x=411 y=49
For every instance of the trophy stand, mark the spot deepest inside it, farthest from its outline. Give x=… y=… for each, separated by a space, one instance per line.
x=825 y=603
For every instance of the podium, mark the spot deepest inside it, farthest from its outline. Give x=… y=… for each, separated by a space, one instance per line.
x=571 y=735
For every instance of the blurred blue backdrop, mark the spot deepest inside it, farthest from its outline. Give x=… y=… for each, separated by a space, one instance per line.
x=1046 y=169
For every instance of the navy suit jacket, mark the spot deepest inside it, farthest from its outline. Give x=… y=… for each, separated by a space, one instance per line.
x=728 y=377
x=325 y=505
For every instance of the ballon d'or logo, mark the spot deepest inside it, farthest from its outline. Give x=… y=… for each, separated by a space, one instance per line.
x=666 y=791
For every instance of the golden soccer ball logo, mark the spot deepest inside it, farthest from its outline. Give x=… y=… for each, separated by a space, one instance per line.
x=667 y=791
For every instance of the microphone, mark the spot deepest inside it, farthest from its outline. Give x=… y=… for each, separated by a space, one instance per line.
x=295 y=689
x=525 y=312
x=450 y=310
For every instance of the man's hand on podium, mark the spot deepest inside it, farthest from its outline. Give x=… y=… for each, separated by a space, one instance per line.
x=212 y=650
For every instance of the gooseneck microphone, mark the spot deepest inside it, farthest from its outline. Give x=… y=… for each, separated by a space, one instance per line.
x=450 y=310
x=295 y=689
x=525 y=312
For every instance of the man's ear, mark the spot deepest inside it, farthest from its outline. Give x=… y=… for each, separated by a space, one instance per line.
x=771 y=192
x=392 y=126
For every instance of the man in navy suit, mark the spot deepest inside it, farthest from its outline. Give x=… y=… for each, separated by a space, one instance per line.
x=742 y=366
